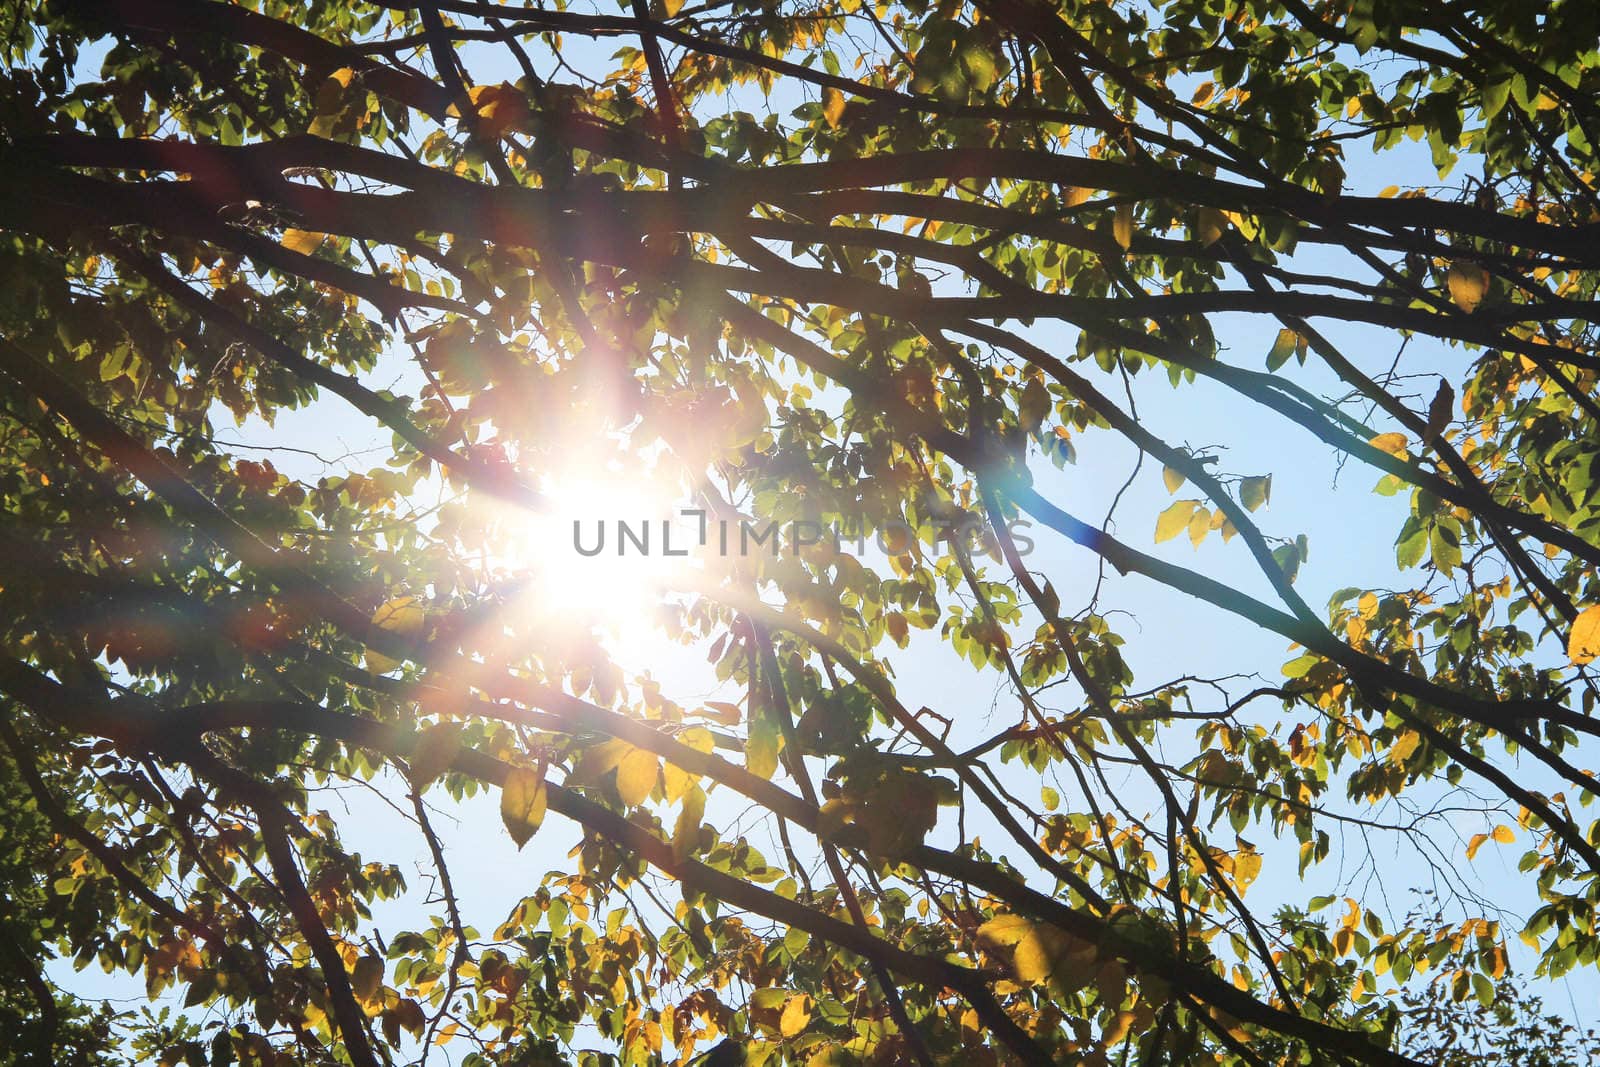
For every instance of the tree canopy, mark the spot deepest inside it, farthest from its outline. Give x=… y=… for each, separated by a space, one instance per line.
x=822 y=265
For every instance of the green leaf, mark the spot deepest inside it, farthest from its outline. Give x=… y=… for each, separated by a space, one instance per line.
x=1412 y=544
x=435 y=749
x=1445 y=543
x=1254 y=492
x=761 y=746
x=979 y=64
x=768 y=999
x=367 y=978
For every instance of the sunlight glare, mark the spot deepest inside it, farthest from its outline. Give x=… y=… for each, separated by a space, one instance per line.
x=582 y=572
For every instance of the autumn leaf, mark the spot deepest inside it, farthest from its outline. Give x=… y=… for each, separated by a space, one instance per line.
x=1122 y=225
x=1075 y=196
x=796 y=1014
x=1467 y=283
x=686 y=831
x=724 y=712
x=636 y=776
x=367 y=978
x=403 y=617
x=1403 y=746
x=1175 y=519
x=303 y=241
x=1283 y=346
x=523 y=799
x=500 y=109
x=1246 y=867
x=832 y=106
x=1172 y=478
x=1583 y=644
x=1393 y=443
x=1005 y=930
x=1441 y=408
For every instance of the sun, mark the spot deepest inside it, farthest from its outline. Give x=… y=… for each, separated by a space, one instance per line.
x=601 y=555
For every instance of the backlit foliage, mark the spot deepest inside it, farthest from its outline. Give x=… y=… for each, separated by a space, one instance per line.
x=874 y=268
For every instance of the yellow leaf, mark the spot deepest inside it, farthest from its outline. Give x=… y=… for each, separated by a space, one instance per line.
x=1122 y=225
x=686 y=832
x=832 y=106
x=1468 y=283
x=1075 y=195
x=596 y=761
x=1584 y=643
x=1504 y=835
x=1392 y=443
x=1210 y=224
x=1038 y=952
x=303 y=241
x=1389 y=191
x=500 y=108
x=671 y=7
x=1172 y=479
x=675 y=781
x=1404 y=746
x=1246 y=224
x=1047 y=954
x=698 y=738
x=1199 y=526
x=402 y=616
x=1367 y=605
x=724 y=712
x=796 y=1013
x=1283 y=346
x=523 y=799
x=1246 y=868
x=1005 y=929
x=636 y=776
x=1175 y=519
x=1476 y=843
